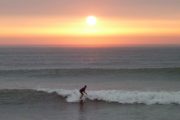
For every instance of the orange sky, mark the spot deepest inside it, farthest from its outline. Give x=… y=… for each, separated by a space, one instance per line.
x=76 y=26
x=22 y=25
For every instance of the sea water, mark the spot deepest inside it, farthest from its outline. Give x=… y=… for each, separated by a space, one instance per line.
x=127 y=83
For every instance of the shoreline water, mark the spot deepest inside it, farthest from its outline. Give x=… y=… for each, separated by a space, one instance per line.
x=47 y=106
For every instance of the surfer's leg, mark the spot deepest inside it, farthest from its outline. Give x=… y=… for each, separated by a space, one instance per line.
x=81 y=95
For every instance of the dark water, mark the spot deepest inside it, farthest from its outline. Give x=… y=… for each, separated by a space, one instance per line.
x=140 y=83
x=138 y=68
x=33 y=105
x=137 y=57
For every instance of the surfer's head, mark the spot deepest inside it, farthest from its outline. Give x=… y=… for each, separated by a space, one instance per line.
x=85 y=86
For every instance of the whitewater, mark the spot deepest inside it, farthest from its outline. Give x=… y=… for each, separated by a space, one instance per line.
x=121 y=96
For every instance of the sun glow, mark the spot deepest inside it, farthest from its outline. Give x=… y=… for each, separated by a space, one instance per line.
x=91 y=20
x=86 y=26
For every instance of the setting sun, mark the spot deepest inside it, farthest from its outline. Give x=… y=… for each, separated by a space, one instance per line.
x=89 y=24
x=91 y=20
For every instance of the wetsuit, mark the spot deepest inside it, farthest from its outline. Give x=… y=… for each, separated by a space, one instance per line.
x=82 y=90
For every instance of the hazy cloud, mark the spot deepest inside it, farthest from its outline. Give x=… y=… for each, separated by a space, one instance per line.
x=117 y=8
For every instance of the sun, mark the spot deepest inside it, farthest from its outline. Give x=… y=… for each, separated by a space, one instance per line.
x=91 y=20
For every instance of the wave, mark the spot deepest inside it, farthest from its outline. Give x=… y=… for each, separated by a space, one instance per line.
x=23 y=96
x=26 y=96
x=121 y=96
x=86 y=71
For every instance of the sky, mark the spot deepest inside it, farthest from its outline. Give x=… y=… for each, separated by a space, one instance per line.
x=63 y=22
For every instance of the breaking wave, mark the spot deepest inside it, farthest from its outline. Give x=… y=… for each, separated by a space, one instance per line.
x=120 y=96
x=23 y=96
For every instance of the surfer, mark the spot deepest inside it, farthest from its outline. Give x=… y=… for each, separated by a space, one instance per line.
x=83 y=91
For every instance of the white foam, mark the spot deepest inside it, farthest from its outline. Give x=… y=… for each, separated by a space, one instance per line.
x=121 y=96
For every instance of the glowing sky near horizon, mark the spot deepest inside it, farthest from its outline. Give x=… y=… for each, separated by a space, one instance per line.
x=116 y=19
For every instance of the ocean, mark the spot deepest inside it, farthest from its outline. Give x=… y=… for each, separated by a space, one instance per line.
x=125 y=83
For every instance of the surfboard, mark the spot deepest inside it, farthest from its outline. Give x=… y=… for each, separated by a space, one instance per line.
x=83 y=99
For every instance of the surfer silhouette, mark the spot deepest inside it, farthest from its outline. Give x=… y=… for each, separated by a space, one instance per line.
x=83 y=91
